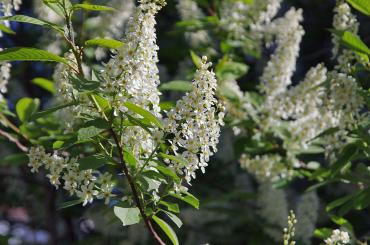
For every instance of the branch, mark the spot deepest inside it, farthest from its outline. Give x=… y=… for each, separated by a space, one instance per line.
x=14 y=140
x=135 y=194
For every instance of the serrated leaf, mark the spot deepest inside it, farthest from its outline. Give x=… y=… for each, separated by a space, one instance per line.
x=69 y=204
x=5 y=29
x=188 y=198
x=26 y=107
x=29 y=54
x=177 y=85
x=45 y=84
x=128 y=216
x=361 y=5
x=31 y=20
x=144 y=113
x=174 y=218
x=51 y=110
x=93 y=7
x=106 y=43
x=172 y=207
x=167 y=230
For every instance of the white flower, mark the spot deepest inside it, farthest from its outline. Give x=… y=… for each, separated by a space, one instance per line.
x=234 y=19
x=343 y=20
x=277 y=74
x=338 y=237
x=4 y=76
x=195 y=123
x=106 y=193
x=265 y=11
x=132 y=75
x=87 y=193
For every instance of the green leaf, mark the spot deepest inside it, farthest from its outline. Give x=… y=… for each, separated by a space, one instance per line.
x=196 y=59
x=83 y=85
x=69 y=204
x=172 y=207
x=168 y=172
x=167 y=229
x=354 y=42
x=102 y=102
x=31 y=20
x=177 y=85
x=16 y=159
x=174 y=218
x=45 y=84
x=129 y=158
x=151 y=184
x=88 y=132
x=51 y=110
x=144 y=113
x=322 y=233
x=58 y=144
x=338 y=202
x=56 y=6
x=361 y=5
x=92 y=7
x=177 y=159
x=128 y=216
x=106 y=43
x=29 y=54
x=93 y=162
x=229 y=70
x=5 y=29
x=345 y=156
x=188 y=198
x=26 y=107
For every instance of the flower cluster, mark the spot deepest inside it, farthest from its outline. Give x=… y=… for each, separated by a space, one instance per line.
x=234 y=19
x=189 y=10
x=338 y=237
x=265 y=167
x=195 y=123
x=290 y=231
x=7 y=7
x=132 y=74
x=343 y=20
x=277 y=74
x=4 y=77
x=87 y=184
x=266 y=11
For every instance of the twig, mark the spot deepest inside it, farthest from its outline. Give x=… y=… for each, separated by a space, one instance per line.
x=14 y=140
x=135 y=194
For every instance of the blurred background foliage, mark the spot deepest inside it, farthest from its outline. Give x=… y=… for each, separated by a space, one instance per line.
x=235 y=208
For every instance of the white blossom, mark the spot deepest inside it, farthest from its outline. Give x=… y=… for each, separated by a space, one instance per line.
x=132 y=74
x=234 y=19
x=195 y=123
x=4 y=77
x=338 y=237
x=277 y=74
x=343 y=20
x=65 y=171
x=265 y=11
